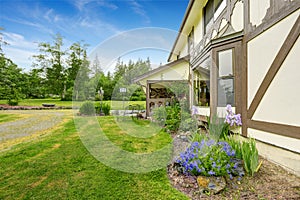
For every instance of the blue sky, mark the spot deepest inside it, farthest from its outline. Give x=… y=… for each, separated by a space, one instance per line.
x=27 y=23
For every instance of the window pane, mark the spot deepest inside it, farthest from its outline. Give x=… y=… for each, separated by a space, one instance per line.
x=225 y=63
x=202 y=83
x=208 y=14
x=226 y=92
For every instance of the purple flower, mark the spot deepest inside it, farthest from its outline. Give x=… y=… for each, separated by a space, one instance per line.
x=211 y=172
x=194 y=110
x=229 y=109
x=231 y=118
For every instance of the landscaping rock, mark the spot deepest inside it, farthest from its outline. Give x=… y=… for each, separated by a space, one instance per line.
x=180 y=144
x=212 y=184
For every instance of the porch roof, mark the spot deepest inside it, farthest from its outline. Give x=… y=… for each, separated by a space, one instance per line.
x=161 y=68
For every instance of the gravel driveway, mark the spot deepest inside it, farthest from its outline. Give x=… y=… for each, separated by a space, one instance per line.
x=34 y=121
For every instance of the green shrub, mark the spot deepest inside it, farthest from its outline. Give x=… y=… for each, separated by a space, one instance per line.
x=87 y=108
x=173 y=117
x=13 y=102
x=160 y=115
x=106 y=109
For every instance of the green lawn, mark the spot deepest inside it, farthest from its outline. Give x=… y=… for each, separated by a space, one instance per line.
x=58 y=166
x=116 y=105
x=9 y=117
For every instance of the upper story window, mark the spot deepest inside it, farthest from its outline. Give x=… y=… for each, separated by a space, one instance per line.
x=212 y=11
x=191 y=41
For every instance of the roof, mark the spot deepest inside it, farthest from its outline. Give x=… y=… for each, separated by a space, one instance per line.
x=161 y=68
x=187 y=13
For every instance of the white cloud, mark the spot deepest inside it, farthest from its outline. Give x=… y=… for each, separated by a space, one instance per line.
x=19 y=50
x=51 y=17
x=139 y=10
x=82 y=4
x=36 y=25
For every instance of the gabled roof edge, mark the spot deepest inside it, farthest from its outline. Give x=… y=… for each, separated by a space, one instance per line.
x=187 y=12
x=163 y=67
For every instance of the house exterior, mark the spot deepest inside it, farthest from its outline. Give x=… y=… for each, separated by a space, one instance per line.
x=245 y=53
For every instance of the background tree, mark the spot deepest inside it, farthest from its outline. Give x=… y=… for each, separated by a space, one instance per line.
x=11 y=78
x=51 y=61
x=78 y=69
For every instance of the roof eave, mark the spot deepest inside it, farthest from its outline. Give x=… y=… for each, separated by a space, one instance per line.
x=187 y=12
x=163 y=67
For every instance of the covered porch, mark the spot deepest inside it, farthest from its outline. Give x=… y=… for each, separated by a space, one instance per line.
x=157 y=84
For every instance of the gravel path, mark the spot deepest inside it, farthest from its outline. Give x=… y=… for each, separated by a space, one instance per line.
x=34 y=121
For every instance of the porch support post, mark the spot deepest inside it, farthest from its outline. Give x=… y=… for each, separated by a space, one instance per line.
x=147 y=99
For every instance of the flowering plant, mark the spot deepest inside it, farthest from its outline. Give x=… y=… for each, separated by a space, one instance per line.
x=231 y=118
x=210 y=158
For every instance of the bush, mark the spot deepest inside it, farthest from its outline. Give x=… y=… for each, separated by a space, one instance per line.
x=13 y=102
x=160 y=115
x=173 y=117
x=106 y=109
x=87 y=108
x=210 y=158
x=189 y=124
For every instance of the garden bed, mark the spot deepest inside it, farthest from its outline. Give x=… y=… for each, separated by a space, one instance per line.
x=270 y=182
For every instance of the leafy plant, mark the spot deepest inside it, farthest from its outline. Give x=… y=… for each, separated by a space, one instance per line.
x=173 y=117
x=250 y=156
x=87 y=108
x=160 y=115
x=235 y=144
x=189 y=124
x=210 y=158
x=106 y=109
x=246 y=151
x=197 y=136
x=169 y=117
x=216 y=127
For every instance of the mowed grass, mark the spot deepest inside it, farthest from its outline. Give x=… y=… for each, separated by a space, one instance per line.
x=9 y=117
x=116 y=105
x=58 y=166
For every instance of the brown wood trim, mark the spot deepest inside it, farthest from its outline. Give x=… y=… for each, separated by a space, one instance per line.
x=244 y=83
x=213 y=83
x=246 y=16
x=158 y=81
x=279 y=129
x=147 y=99
x=237 y=76
x=252 y=31
x=278 y=61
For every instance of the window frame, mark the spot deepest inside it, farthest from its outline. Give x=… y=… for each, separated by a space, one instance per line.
x=211 y=7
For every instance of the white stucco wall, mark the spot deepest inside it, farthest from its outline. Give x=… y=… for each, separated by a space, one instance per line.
x=237 y=19
x=176 y=72
x=198 y=28
x=263 y=49
x=277 y=140
x=258 y=10
x=280 y=104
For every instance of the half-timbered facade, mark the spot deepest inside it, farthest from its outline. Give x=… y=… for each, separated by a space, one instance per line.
x=246 y=53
